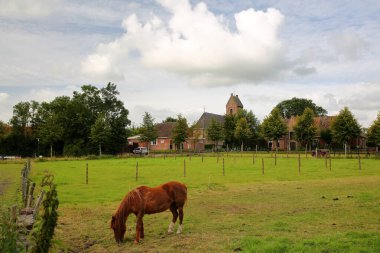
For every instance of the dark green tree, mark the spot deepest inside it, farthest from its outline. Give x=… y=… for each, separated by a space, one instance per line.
x=296 y=107
x=180 y=131
x=229 y=130
x=49 y=128
x=242 y=131
x=373 y=133
x=345 y=127
x=148 y=132
x=273 y=126
x=100 y=131
x=327 y=136
x=305 y=129
x=169 y=119
x=215 y=132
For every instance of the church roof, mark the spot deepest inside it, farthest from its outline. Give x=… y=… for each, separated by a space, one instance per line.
x=206 y=118
x=236 y=100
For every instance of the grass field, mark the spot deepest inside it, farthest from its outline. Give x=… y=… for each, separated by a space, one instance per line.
x=282 y=210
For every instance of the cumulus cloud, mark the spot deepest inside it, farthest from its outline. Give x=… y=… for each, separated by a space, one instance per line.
x=27 y=8
x=196 y=43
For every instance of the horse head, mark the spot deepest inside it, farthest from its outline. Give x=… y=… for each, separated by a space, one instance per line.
x=119 y=229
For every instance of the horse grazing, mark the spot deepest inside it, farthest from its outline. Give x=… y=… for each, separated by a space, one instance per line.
x=146 y=200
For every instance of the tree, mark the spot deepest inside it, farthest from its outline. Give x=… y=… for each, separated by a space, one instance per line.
x=374 y=132
x=345 y=127
x=229 y=130
x=305 y=129
x=242 y=131
x=100 y=131
x=296 y=107
x=180 y=131
x=326 y=136
x=148 y=132
x=169 y=119
x=49 y=129
x=273 y=126
x=215 y=132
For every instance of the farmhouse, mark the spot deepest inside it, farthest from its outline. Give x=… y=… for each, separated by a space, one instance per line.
x=323 y=124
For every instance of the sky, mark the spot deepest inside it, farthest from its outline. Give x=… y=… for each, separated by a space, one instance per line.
x=170 y=57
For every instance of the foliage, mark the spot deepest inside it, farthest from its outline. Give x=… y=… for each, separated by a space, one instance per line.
x=148 y=132
x=242 y=131
x=215 y=131
x=100 y=131
x=48 y=223
x=66 y=123
x=305 y=129
x=229 y=130
x=345 y=127
x=230 y=125
x=169 y=119
x=326 y=135
x=9 y=235
x=296 y=107
x=374 y=132
x=273 y=126
x=180 y=131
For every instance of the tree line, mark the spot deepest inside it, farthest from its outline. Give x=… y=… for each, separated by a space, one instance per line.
x=94 y=121
x=89 y=120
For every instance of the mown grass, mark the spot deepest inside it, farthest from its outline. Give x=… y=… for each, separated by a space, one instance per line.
x=282 y=210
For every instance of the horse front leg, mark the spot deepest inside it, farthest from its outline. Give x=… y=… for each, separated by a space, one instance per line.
x=139 y=229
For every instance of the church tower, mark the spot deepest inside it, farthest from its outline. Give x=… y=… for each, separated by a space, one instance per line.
x=233 y=105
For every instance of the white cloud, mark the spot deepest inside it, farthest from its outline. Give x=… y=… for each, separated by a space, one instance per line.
x=196 y=43
x=3 y=96
x=26 y=8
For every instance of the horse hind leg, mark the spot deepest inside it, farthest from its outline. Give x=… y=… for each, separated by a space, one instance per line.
x=173 y=209
x=180 y=228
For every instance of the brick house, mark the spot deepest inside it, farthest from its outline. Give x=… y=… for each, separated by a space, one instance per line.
x=288 y=141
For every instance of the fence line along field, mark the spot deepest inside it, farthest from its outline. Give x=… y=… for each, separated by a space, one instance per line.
x=236 y=203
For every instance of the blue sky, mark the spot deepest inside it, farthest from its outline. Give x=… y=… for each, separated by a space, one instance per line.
x=177 y=56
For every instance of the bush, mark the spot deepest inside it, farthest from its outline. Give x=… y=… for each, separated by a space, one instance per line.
x=9 y=236
x=45 y=231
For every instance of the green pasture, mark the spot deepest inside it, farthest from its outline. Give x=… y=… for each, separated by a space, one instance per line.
x=313 y=209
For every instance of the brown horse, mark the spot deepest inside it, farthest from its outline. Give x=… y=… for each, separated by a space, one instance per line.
x=147 y=200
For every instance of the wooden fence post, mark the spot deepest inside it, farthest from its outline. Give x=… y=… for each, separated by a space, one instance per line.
x=330 y=163
x=137 y=170
x=202 y=157
x=184 y=167
x=326 y=160
x=86 y=173
x=299 y=163
x=275 y=159
x=262 y=166
x=360 y=163
x=253 y=158
x=223 y=166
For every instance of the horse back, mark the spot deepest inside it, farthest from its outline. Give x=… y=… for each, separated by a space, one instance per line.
x=177 y=192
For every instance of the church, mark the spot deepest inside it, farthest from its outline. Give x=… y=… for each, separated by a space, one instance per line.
x=197 y=139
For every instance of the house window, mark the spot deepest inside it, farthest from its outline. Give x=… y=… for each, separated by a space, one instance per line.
x=154 y=142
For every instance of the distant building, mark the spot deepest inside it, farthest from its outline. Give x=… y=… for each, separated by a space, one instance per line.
x=322 y=123
x=197 y=139
x=233 y=105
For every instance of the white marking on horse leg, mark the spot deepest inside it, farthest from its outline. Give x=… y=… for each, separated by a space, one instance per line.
x=179 y=229
x=171 y=227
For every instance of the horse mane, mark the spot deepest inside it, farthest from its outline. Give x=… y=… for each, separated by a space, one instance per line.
x=125 y=208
